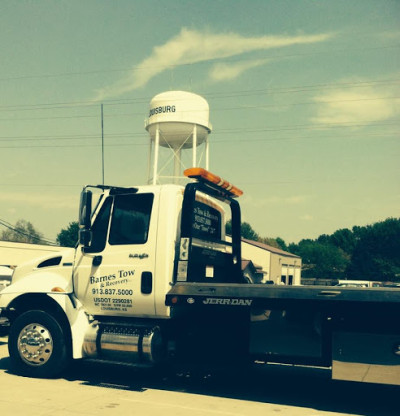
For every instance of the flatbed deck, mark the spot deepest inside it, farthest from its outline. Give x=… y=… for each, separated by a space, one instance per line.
x=269 y=296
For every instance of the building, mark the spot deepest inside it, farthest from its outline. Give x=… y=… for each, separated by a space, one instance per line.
x=277 y=266
x=252 y=272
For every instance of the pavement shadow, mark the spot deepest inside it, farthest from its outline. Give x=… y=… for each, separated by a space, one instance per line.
x=291 y=386
x=5 y=363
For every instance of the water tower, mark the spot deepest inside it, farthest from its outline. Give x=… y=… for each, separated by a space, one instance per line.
x=178 y=121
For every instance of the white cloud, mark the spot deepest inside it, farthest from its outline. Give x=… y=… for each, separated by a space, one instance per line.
x=306 y=217
x=356 y=105
x=394 y=35
x=225 y=71
x=192 y=46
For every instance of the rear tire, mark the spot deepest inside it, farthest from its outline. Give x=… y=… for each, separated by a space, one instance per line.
x=38 y=346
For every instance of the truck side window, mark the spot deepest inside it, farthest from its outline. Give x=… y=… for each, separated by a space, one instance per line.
x=100 y=228
x=131 y=219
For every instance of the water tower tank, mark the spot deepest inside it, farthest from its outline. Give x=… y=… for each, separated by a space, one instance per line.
x=179 y=122
x=174 y=114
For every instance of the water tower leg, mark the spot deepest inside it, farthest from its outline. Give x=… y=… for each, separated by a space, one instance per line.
x=149 y=163
x=194 y=157
x=156 y=149
x=177 y=164
x=207 y=154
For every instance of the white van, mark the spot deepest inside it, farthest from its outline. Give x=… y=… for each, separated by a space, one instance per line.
x=358 y=283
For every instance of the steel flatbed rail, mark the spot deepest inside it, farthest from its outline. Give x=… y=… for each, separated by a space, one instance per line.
x=275 y=296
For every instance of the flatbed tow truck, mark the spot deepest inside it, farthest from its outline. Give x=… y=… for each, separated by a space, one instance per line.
x=154 y=281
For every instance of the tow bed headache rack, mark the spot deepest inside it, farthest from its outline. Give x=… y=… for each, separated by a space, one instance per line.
x=205 y=256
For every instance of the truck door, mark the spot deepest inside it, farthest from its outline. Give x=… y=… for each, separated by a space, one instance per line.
x=114 y=275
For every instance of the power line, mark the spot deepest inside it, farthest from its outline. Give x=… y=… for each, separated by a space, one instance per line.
x=71 y=146
x=387 y=134
x=189 y=64
x=68 y=137
x=280 y=181
x=71 y=105
x=210 y=95
x=317 y=102
x=315 y=126
x=141 y=135
x=46 y=118
x=220 y=132
x=32 y=236
x=301 y=88
x=58 y=185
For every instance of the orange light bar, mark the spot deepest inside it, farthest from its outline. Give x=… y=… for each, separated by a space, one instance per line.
x=206 y=176
x=58 y=289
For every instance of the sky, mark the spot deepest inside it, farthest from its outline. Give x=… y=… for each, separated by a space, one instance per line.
x=304 y=100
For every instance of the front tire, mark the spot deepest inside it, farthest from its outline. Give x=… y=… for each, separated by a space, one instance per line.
x=38 y=345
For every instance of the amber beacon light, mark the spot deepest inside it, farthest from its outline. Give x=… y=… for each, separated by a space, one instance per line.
x=204 y=175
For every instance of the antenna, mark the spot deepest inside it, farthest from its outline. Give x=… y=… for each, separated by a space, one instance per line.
x=102 y=143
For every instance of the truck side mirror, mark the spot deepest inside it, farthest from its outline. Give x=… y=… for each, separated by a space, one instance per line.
x=85 y=212
x=85 y=237
x=85 y=209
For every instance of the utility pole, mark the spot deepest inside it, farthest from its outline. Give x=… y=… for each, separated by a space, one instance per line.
x=102 y=143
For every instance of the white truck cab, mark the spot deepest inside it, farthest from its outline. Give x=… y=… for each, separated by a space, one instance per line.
x=111 y=290
x=134 y=238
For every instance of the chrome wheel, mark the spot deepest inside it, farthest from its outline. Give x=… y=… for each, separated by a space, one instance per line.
x=39 y=345
x=35 y=344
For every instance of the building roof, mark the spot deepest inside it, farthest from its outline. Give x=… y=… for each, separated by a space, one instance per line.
x=248 y=263
x=270 y=248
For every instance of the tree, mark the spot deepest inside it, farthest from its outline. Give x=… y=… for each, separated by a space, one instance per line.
x=345 y=239
x=269 y=241
x=376 y=254
x=246 y=231
x=22 y=232
x=364 y=252
x=321 y=260
x=68 y=237
x=281 y=243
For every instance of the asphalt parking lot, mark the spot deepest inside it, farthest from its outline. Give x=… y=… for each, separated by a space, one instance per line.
x=101 y=389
